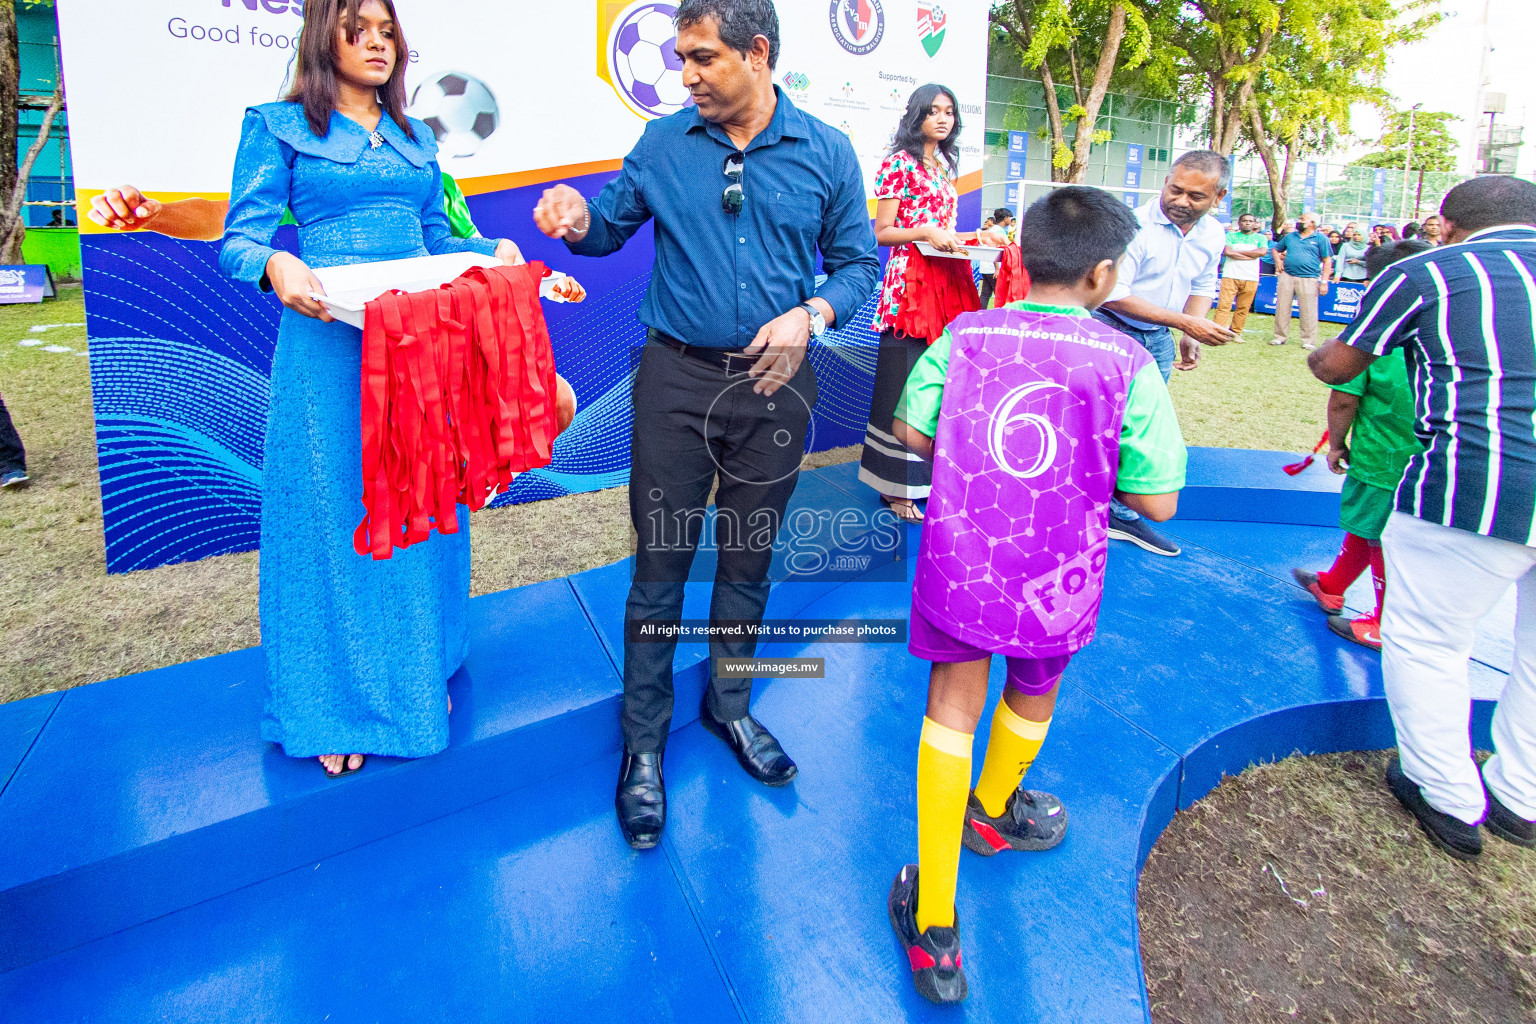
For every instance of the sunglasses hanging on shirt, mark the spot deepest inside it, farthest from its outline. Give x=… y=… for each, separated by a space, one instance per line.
x=734 y=197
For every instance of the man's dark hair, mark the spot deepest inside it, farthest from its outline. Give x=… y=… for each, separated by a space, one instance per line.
x=1380 y=257
x=1002 y=213
x=1490 y=200
x=909 y=133
x=741 y=21
x=1206 y=161
x=1069 y=232
x=1410 y=229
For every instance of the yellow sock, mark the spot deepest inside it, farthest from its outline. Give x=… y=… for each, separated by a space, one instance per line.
x=943 y=784
x=1015 y=743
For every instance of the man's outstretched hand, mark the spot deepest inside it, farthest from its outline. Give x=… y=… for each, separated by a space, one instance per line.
x=562 y=213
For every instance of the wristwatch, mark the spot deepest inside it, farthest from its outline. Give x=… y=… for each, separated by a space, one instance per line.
x=818 y=322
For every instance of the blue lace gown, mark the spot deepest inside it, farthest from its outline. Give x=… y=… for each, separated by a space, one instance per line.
x=358 y=652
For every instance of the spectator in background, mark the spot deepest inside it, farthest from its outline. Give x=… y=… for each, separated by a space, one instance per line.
x=996 y=231
x=1240 y=274
x=1463 y=527
x=13 y=457
x=1410 y=230
x=1430 y=230
x=1303 y=261
x=1335 y=240
x=1349 y=264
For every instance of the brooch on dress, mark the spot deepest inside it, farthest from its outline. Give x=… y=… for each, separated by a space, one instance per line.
x=375 y=139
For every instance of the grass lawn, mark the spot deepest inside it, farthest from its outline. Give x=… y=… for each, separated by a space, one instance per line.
x=1401 y=934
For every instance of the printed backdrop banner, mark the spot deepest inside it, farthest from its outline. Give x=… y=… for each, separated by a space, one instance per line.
x=1339 y=306
x=521 y=94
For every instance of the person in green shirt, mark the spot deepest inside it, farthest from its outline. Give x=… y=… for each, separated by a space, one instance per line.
x=1240 y=273
x=1370 y=438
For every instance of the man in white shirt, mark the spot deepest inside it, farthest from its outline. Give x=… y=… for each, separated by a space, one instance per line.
x=1167 y=283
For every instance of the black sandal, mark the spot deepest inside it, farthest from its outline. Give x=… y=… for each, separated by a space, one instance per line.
x=904 y=509
x=345 y=771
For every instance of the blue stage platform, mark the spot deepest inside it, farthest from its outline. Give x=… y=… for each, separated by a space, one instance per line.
x=158 y=862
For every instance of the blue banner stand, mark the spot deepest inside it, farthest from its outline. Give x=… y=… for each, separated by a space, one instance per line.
x=31 y=282
x=1339 y=306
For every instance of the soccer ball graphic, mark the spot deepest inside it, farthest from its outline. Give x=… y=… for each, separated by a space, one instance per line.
x=459 y=109
x=643 y=63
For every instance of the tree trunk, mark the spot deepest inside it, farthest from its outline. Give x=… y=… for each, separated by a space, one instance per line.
x=12 y=227
x=10 y=86
x=1278 y=180
x=1024 y=40
x=1082 y=145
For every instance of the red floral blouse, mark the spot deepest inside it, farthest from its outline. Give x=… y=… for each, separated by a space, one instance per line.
x=927 y=197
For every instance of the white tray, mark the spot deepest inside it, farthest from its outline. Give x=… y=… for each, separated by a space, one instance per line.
x=349 y=289
x=984 y=253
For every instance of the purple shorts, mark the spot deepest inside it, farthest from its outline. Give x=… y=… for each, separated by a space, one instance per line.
x=1033 y=677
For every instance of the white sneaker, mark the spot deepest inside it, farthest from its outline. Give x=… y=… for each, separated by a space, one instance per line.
x=1277 y=341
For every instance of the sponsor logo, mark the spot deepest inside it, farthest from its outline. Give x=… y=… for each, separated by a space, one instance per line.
x=847 y=90
x=794 y=81
x=641 y=62
x=931 y=24
x=857 y=25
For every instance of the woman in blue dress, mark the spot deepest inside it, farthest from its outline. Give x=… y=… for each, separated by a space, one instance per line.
x=358 y=652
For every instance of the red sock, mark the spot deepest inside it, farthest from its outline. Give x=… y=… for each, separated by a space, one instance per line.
x=1354 y=556
x=1379 y=576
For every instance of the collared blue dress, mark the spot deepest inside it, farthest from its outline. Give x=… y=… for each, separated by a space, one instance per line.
x=358 y=652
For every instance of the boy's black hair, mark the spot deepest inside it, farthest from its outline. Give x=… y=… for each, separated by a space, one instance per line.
x=1069 y=232
x=1001 y=213
x=1381 y=257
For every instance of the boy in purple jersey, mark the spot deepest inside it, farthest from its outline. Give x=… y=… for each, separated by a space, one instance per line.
x=1034 y=415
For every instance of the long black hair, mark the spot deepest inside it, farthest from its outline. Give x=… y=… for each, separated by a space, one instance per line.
x=314 y=69
x=909 y=133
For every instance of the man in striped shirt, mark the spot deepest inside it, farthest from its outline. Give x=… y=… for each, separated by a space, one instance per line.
x=1464 y=528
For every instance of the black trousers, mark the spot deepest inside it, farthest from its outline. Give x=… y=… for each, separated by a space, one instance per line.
x=12 y=455
x=696 y=423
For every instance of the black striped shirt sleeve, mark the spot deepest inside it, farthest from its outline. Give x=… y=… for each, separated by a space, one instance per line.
x=1387 y=313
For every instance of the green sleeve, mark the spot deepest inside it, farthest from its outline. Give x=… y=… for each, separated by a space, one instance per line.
x=459 y=221
x=1354 y=387
x=924 y=394
x=287 y=218
x=1152 y=453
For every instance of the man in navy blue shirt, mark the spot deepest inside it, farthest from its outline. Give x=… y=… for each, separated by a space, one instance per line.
x=744 y=189
x=1464 y=525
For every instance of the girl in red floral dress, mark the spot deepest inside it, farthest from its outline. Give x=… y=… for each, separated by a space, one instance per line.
x=915 y=201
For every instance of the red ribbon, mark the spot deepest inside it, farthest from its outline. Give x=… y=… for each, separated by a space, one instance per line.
x=1012 y=279
x=934 y=292
x=1297 y=467
x=458 y=394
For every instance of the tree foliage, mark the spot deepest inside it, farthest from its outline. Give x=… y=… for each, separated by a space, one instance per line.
x=1082 y=47
x=1325 y=57
x=1434 y=147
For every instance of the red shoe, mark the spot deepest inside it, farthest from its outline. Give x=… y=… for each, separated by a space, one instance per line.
x=1365 y=631
x=1330 y=603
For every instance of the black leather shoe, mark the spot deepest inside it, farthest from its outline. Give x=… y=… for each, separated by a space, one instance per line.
x=1451 y=834
x=1508 y=825
x=755 y=747
x=641 y=799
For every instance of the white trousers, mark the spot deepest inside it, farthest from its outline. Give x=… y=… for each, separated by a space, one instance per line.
x=1440 y=584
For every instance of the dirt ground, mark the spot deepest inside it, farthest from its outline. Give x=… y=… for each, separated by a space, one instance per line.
x=1302 y=891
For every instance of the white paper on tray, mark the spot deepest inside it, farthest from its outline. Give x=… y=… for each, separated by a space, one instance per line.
x=984 y=253
x=349 y=289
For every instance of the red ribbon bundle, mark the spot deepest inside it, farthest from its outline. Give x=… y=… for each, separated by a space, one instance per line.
x=458 y=394
x=1012 y=279
x=1296 y=467
x=934 y=292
